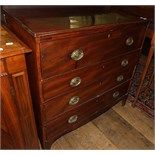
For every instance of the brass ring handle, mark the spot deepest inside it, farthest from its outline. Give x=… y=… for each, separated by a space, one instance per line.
x=77 y=54
x=124 y=63
x=74 y=100
x=120 y=78
x=115 y=94
x=75 y=81
x=72 y=119
x=129 y=41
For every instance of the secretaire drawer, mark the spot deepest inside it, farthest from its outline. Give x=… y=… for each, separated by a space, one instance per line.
x=67 y=121
x=118 y=70
x=59 y=56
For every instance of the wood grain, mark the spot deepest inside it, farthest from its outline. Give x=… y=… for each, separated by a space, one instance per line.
x=117 y=128
x=59 y=105
x=96 y=48
x=97 y=140
x=10 y=116
x=53 y=35
x=20 y=130
x=105 y=132
x=64 y=20
x=84 y=112
x=102 y=72
x=138 y=120
x=17 y=47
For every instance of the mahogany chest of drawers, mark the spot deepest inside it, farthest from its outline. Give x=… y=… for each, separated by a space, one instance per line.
x=81 y=64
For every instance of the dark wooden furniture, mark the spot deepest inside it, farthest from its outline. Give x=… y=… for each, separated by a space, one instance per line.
x=143 y=81
x=139 y=11
x=81 y=65
x=18 y=129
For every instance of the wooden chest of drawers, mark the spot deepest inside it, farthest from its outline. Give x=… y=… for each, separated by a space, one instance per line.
x=81 y=64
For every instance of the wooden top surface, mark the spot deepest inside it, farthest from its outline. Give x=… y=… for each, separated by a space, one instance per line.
x=40 y=21
x=10 y=45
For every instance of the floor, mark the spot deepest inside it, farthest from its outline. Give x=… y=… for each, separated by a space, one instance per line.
x=122 y=127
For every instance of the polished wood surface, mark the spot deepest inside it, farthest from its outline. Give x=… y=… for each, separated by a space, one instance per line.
x=103 y=72
x=143 y=90
x=138 y=11
x=84 y=113
x=106 y=38
x=60 y=20
x=19 y=129
x=96 y=48
x=10 y=45
x=60 y=105
x=127 y=132
x=13 y=133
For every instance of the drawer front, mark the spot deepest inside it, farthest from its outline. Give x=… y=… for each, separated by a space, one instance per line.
x=69 y=101
x=73 y=118
x=59 y=56
x=59 y=105
x=108 y=71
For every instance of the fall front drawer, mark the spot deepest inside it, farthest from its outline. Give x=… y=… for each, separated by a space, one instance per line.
x=64 y=55
x=118 y=70
x=73 y=118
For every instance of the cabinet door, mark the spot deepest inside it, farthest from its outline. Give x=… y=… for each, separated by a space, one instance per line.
x=6 y=141
x=12 y=136
x=24 y=107
x=17 y=110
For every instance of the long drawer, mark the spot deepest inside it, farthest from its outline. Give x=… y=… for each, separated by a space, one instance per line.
x=115 y=71
x=60 y=105
x=73 y=118
x=59 y=56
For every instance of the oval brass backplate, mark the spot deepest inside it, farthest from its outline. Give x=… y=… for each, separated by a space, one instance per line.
x=120 y=78
x=129 y=41
x=124 y=63
x=72 y=119
x=74 y=100
x=115 y=94
x=75 y=81
x=77 y=54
